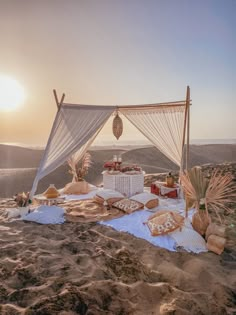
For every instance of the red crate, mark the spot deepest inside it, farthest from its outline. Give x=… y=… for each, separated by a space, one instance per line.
x=156 y=190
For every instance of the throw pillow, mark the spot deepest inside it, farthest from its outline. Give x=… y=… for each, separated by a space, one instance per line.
x=148 y=200
x=128 y=205
x=164 y=222
x=108 y=195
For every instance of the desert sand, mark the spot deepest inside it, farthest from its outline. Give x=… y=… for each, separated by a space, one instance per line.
x=86 y=268
x=82 y=267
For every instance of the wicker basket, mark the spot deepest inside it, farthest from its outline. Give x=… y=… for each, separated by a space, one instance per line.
x=76 y=188
x=200 y=222
x=216 y=244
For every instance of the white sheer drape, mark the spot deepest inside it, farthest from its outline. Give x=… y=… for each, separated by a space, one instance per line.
x=163 y=126
x=75 y=127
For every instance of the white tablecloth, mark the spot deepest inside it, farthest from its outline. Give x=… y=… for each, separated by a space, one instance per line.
x=127 y=185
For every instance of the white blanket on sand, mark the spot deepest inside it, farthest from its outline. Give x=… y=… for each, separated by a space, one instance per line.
x=187 y=239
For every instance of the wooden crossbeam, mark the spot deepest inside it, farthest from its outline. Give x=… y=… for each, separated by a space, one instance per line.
x=56 y=99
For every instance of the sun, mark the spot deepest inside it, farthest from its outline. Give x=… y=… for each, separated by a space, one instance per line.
x=12 y=94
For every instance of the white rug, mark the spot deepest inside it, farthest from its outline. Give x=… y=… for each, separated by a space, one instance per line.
x=188 y=239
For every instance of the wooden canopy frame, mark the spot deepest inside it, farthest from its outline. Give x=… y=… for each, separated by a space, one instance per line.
x=186 y=103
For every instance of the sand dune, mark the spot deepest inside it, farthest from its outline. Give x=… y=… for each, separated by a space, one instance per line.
x=90 y=269
x=85 y=268
x=18 y=165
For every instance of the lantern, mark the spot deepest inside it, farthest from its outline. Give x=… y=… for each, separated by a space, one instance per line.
x=117 y=126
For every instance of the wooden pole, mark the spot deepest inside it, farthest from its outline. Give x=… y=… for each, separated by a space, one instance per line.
x=185 y=123
x=56 y=98
x=188 y=127
x=62 y=99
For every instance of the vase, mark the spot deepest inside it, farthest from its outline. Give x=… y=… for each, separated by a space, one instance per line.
x=76 y=188
x=83 y=187
x=200 y=221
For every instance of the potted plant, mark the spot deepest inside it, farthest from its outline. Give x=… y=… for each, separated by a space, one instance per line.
x=78 y=170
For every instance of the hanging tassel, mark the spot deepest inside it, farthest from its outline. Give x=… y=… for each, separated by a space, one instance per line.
x=117 y=126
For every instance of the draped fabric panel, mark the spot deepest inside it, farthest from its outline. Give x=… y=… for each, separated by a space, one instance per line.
x=163 y=126
x=74 y=128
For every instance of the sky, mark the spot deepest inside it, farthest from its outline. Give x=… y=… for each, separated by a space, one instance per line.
x=119 y=52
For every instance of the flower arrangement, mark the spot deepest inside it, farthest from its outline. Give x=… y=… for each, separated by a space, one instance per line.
x=109 y=165
x=79 y=171
x=131 y=168
x=22 y=199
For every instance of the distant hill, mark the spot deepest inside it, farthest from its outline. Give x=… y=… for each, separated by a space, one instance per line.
x=18 y=165
x=18 y=157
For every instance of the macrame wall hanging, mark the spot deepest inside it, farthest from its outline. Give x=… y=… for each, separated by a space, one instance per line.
x=117 y=126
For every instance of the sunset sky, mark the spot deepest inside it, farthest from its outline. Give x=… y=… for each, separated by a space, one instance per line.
x=119 y=52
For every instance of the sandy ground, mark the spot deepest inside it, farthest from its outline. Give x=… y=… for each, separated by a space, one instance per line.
x=86 y=268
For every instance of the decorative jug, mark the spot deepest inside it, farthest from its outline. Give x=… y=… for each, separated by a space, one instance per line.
x=51 y=192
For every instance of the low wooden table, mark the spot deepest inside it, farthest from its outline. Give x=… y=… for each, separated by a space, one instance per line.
x=42 y=200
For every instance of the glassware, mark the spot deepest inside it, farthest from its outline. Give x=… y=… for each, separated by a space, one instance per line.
x=119 y=161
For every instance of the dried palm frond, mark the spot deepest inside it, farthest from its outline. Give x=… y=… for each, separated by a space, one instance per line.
x=216 y=192
x=79 y=172
x=221 y=190
x=194 y=185
x=86 y=161
x=198 y=181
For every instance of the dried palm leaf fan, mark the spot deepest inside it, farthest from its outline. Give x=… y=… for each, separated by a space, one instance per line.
x=215 y=192
x=117 y=126
x=195 y=186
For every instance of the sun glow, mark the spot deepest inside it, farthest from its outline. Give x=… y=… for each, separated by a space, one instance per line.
x=12 y=94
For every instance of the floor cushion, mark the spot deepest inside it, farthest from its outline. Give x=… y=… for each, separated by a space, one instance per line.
x=108 y=195
x=128 y=205
x=148 y=200
x=164 y=222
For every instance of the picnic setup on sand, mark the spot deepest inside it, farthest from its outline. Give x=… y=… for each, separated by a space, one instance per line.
x=174 y=214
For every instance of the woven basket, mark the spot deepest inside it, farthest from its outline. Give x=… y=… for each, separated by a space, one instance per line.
x=200 y=222
x=76 y=188
x=216 y=244
x=117 y=126
x=215 y=229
